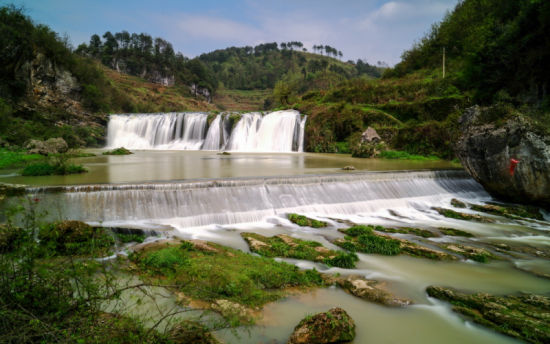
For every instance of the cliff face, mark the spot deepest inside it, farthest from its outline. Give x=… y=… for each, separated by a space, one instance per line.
x=487 y=151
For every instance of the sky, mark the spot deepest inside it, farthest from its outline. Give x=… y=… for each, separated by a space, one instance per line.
x=371 y=30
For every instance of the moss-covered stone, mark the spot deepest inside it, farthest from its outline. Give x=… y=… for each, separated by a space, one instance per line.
x=512 y=212
x=304 y=221
x=523 y=316
x=458 y=204
x=462 y=216
x=362 y=238
x=455 y=232
x=370 y=290
x=287 y=247
x=424 y=233
x=334 y=326
x=474 y=253
x=118 y=151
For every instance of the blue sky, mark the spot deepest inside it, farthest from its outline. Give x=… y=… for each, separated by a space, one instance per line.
x=372 y=30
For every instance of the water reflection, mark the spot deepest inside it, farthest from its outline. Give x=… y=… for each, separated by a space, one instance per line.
x=145 y=166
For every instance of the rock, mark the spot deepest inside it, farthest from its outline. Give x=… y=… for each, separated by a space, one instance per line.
x=485 y=149
x=230 y=309
x=50 y=146
x=458 y=204
x=348 y=168
x=370 y=135
x=201 y=245
x=334 y=326
x=370 y=290
x=523 y=316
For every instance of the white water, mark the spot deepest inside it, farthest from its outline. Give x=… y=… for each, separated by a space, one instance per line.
x=243 y=200
x=280 y=131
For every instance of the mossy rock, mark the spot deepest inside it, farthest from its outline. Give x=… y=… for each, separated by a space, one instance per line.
x=333 y=326
x=462 y=216
x=523 y=316
x=118 y=151
x=287 y=247
x=304 y=221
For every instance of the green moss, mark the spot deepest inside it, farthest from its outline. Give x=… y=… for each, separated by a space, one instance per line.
x=362 y=239
x=455 y=232
x=227 y=274
x=287 y=247
x=127 y=238
x=513 y=212
x=304 y=221
x=461 y=216
x=522 y=316
x=118 y=151
x=408 y=230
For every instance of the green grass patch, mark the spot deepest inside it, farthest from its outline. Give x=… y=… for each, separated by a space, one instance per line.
x=287 y=247
x=15 y=159
x=402 y=155
x=118 y=151
x=127 y=238
x=304 y=221
x=454 y=232
x=363 y=239
x=225 y=274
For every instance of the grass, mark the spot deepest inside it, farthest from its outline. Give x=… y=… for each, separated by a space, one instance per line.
x=127 y=238
x=225 y=274
x=287 y=247
x=9 y=159
x=304 y=221
x=402 y=155
x=363 y=239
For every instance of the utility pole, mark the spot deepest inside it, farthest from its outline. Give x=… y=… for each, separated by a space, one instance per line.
x=443 y=62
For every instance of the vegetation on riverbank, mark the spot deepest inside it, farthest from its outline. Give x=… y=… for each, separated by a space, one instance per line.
x=212 y=272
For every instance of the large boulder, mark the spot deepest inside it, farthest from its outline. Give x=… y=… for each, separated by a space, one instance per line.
x=50 y=146
x=334 y=326
x=491 y=140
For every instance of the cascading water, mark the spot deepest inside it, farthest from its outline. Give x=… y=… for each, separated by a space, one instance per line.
x=240 y=200
x=280 y=131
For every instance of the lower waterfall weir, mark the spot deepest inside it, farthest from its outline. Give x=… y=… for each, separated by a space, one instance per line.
x=244 y=200
x=279 y=131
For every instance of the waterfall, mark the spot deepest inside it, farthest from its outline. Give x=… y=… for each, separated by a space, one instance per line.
x=280 y=131
x=239 y=200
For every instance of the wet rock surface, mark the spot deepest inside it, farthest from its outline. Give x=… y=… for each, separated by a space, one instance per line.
x=485 y=149
x=370 y=290
x=333 y=326
x=523 y=316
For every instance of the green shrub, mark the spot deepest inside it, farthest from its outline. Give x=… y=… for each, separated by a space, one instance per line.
x=47 y=169
x=74 y=238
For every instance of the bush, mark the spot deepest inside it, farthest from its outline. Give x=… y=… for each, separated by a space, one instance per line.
x=118 y=151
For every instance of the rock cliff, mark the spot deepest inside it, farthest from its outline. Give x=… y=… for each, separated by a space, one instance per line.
x=490 y=146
